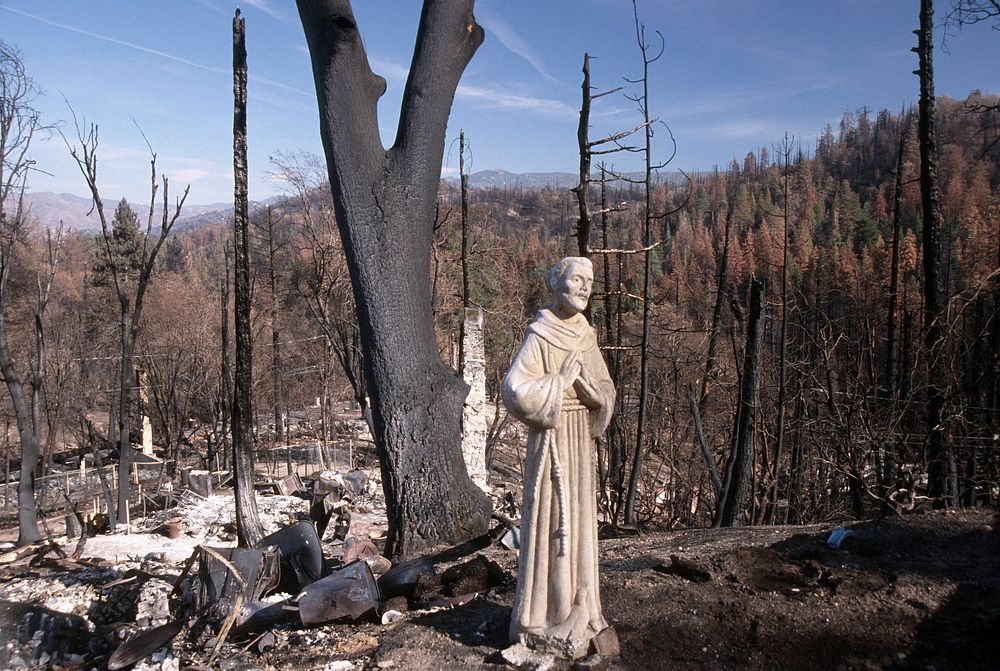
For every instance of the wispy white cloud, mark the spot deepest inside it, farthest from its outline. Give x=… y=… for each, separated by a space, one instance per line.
x=509 y=38
x=152 y=52
x=265 y=6
x=393 y=72
x=280 y=101
x=189 y=175
x=763 y=131
x=744 y=128
x=495 y=96
x=499 y=98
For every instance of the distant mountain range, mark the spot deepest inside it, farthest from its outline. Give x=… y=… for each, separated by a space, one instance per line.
x=75 y=212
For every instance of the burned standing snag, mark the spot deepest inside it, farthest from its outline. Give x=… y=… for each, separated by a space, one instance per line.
x=248 y=526
x=384 y=201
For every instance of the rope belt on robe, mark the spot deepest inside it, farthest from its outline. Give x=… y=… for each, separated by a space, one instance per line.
x=545 y=440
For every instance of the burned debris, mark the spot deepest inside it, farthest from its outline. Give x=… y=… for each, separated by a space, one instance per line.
x=173 y=590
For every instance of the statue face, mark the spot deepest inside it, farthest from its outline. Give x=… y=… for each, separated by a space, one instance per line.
x=572 y=292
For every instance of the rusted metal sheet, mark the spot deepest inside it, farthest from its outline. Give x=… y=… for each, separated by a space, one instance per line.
x=349 y=592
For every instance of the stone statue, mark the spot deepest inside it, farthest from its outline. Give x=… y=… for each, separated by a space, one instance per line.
x=559 y=386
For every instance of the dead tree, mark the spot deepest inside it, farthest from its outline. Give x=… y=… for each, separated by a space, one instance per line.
x=886 y=459
x=385 y=201
x=27 y=403
x=647 y=240
x=940 y=459
x=130 y=299
x=892 y=347
x=738 y=485
x=463 y=177
x=785 y=152
x=277 y=388
x=610 y=457
x=19 y=123
x=721 y=274
x=248 y=527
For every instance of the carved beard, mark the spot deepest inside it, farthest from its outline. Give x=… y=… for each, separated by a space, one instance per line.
x=577 y=302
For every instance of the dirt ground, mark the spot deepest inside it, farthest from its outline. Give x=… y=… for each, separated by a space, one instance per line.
x=914 y=592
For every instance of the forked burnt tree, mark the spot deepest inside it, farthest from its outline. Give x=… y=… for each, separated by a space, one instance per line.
x=384 y=201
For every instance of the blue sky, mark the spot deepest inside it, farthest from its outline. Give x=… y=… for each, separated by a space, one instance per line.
x=735 y=75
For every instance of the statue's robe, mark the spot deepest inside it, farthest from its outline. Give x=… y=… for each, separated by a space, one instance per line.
x=557 y=604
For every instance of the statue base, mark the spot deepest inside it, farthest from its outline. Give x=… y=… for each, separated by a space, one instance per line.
x=604 y=644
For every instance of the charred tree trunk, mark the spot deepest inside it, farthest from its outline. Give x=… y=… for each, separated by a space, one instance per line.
x=582 y=189
x=464 y=183
x=779 y=429
x=940 y=460
x=276 y=363
x=248 y=527
x=887 y=456
x=384 y=201
x=737 y=488
x=713 y=333
x=892 y=347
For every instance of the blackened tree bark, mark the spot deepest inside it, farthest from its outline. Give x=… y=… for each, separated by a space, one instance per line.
x=384 y=201
x=737 y=487
x=940 y=460
x=248 y=527
x=464 y=186
x=581 y=190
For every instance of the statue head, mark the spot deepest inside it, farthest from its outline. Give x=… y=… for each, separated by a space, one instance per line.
x=570 y=281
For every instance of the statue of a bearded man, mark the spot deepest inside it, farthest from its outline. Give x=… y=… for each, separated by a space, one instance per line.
x=559 y=386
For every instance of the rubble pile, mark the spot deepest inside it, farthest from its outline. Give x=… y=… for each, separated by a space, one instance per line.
x=213 y=519
x=173 y=590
